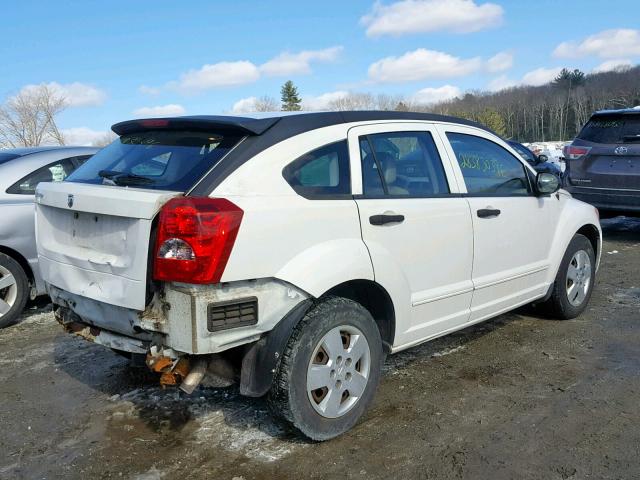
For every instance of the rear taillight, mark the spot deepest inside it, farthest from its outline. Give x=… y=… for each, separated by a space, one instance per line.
x=195 y=238
x=572 y=152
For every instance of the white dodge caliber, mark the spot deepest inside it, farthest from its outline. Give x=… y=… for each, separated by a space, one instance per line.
x=291 y=253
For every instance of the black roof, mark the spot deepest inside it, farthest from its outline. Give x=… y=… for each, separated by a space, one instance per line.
x=293 y=123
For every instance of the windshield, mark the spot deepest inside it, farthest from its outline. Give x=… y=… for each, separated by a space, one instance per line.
x=611 y=129
x=524 y=152
x=156 y=159
x=5 y=157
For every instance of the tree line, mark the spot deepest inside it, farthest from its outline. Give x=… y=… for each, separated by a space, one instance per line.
x=555 y=111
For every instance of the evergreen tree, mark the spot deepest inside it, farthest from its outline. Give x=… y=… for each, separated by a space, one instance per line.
x=568 y=80
x=290 y=99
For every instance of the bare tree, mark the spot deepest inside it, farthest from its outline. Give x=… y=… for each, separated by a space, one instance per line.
x=28 y=119
x=105 y=139
x=266 y=104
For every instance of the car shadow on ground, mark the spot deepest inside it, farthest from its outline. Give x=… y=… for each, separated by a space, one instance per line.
x=134 y=392
x=621 y=229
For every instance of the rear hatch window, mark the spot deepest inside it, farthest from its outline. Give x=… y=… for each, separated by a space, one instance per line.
x=157 y=159
x=612 y=129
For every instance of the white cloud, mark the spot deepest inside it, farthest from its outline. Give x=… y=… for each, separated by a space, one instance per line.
x=147 y=90
x=540 y=76
x=422 y=64
x=86 y=136
x=615 y=43
x=421 y=16
x=322 y=102
x=430 y=95
x=499 y=63
x=245 y=105
x=500 y=83
x=534 y=78
x=169 y=110
x=288 y=63
x=611 y=65
x=223 y=74
x=76 y=94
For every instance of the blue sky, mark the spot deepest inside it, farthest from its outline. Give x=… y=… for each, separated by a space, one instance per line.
x=119 y=60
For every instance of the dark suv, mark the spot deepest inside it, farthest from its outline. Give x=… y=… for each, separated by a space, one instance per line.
x=603 y=162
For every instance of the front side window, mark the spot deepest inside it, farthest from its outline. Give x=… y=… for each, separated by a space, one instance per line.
x=401 y=164
x=54 y=172
x=323 y=172
x=487 y=168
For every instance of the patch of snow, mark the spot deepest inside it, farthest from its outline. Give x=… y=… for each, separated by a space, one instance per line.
x=448 y=352
x=553 y=151
x=223 y=419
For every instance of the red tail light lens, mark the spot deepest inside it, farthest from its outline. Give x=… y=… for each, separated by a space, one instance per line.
x=571 y=152
x=195 y=238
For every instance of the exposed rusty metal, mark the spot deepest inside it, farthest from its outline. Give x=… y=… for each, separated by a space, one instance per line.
x=172 y=372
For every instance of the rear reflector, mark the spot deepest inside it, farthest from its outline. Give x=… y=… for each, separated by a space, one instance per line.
x=195 y=238
x=572 y=152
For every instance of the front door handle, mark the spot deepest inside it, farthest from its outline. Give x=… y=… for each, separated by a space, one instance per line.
x=385 y=218
x=488 y=212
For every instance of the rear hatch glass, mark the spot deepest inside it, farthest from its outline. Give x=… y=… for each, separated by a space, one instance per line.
x=171 y=160
x=612 y=129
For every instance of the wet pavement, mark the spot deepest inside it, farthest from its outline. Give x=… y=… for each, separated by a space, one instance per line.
x=516 y=397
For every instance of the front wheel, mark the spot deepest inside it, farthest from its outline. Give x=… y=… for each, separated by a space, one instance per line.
x=574 y=281
x=330 y=369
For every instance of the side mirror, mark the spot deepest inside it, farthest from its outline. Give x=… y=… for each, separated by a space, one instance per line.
x=547 y=183
x=542 y=158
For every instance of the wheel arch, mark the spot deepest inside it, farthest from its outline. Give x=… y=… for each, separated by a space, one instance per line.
x=376 y=300
x=18 y=257
x=593 y=235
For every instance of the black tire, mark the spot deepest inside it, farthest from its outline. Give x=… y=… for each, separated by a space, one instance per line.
x=558 y=305
x=288 y=397
x=22 y=287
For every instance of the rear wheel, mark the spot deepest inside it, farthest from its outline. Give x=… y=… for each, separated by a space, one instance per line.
x=330 y=369
x=14 y=290
x=574 y=281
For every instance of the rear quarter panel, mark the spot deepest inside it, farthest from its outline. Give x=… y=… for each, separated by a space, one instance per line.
x=312 y=244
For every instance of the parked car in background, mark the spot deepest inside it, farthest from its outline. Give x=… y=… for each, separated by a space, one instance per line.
x=21 y=170
x=603 y=162
x=292 y=253
x=539 y=162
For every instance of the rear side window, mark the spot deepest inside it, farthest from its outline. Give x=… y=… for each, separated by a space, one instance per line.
x=612 y=129
x=54 y=172
x=401 y=164
x=487 y=168
x=321 y=173
x=157 y=159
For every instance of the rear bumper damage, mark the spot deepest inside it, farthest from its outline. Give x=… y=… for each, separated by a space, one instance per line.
x=175 y=331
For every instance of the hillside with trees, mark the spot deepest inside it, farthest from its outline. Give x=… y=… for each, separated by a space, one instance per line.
x=555 y=111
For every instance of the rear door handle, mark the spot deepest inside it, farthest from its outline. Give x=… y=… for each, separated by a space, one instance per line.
x=488 y=212
x=385 y=218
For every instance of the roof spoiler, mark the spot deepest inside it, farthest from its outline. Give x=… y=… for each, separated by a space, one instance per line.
x=248 y=126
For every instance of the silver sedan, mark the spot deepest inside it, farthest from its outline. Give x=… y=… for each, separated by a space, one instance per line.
x=21 y=169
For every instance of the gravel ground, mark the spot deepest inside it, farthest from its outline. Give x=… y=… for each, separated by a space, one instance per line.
x=517 y=397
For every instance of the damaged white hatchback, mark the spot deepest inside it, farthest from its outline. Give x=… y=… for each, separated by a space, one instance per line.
x=291 y=253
